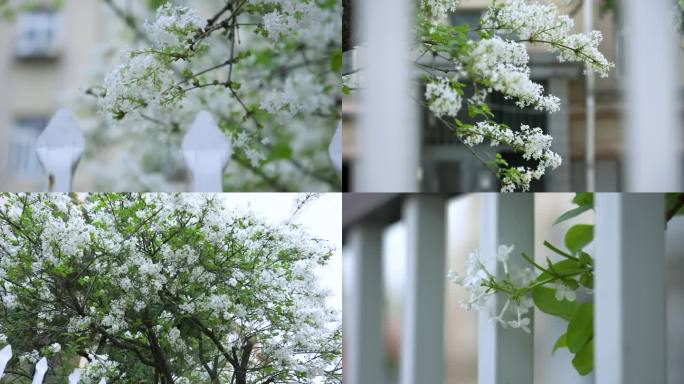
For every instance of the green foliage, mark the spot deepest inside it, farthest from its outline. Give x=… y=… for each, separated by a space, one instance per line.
x=578 y=236
x=580 y=328
x=336 y=61
x=103 y=274
x=584 y=359
x=545 y=299
x=560 y=343
x=572 y=213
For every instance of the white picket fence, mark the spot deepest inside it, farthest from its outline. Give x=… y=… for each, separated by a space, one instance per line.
x=41 y=368
x=205 y=148
x=629 y=296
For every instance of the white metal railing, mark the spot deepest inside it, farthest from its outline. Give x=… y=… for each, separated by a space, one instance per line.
x=40 y=370
x=653 y=138
x=629 y=295
x=205 y=148
x=389 y=137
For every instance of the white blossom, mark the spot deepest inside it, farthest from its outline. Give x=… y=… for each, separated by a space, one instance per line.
x=443 y=98
x=440 y=8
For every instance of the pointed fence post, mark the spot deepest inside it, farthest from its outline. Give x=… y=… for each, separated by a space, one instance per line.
x=335 y=149
x=41 y=368
x=59 y=149
x=630 y=318
x=5 y=356
x=102 y=381
x=505 y=355
x=206 y=151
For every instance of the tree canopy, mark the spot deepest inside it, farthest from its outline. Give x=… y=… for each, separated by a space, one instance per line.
x=160 y=288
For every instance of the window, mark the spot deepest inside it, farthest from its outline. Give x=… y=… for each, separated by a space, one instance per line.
x=24 y=162
x=38 y=34
x=470 y=17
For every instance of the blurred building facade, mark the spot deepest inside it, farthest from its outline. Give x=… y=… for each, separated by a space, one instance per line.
x=447 y=166
x=42 y=52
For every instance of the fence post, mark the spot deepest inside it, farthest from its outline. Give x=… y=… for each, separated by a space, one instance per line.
x=75 y=376
x=629 y=320
x=422 y=349
x=388 y=138
x=364 y=325
x=505 y=355
x=335 y=149
x=652 y=83
x=41 y=368
x=206 y=151
x=59 y=149
x=5 y=356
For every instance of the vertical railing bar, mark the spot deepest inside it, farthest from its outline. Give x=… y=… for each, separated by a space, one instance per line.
x=629 y=318
x=505 y=355
x=653 y=137
x=388 y=139
x=590 y=106
x=364 y=336
x=422 y=350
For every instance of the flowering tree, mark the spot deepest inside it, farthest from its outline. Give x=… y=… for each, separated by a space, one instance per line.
x=158 y=288
x=268 y=70
x=562 y=288
x=460 y=72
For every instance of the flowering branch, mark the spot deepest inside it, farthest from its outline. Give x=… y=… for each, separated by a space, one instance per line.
x=497 y=63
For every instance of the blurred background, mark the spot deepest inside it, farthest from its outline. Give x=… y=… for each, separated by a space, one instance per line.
x=447 y=166
x=461 y=326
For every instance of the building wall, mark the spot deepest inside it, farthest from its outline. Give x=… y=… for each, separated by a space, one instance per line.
x=36 y=88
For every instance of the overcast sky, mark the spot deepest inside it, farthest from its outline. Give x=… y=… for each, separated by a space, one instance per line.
x=322 y=218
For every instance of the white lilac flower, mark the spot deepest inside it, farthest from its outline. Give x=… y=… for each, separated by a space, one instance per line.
x=442 y=97
x=542 y=23
x=515 y=309
x=523 y=323
x=563 y=292
x=532 y=142
x=475 y=275
x=503 y=253
x=172 y=25
x=55 y=348
x=440 y=8
x=503 y=65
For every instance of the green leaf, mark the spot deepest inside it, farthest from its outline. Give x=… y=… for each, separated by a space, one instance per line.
x=587 y=280
x=581 y=327
x=578 y=236
x=336 y=61
x=154 y=4
x=560 y=343
x=584 y=359
x=572 y=213
x=584 y=198
x=565 y=267
x=281 y=151
x=545 y=299
x=586 y=258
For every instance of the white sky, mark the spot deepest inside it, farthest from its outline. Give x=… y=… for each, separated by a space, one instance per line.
x=321 y=218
